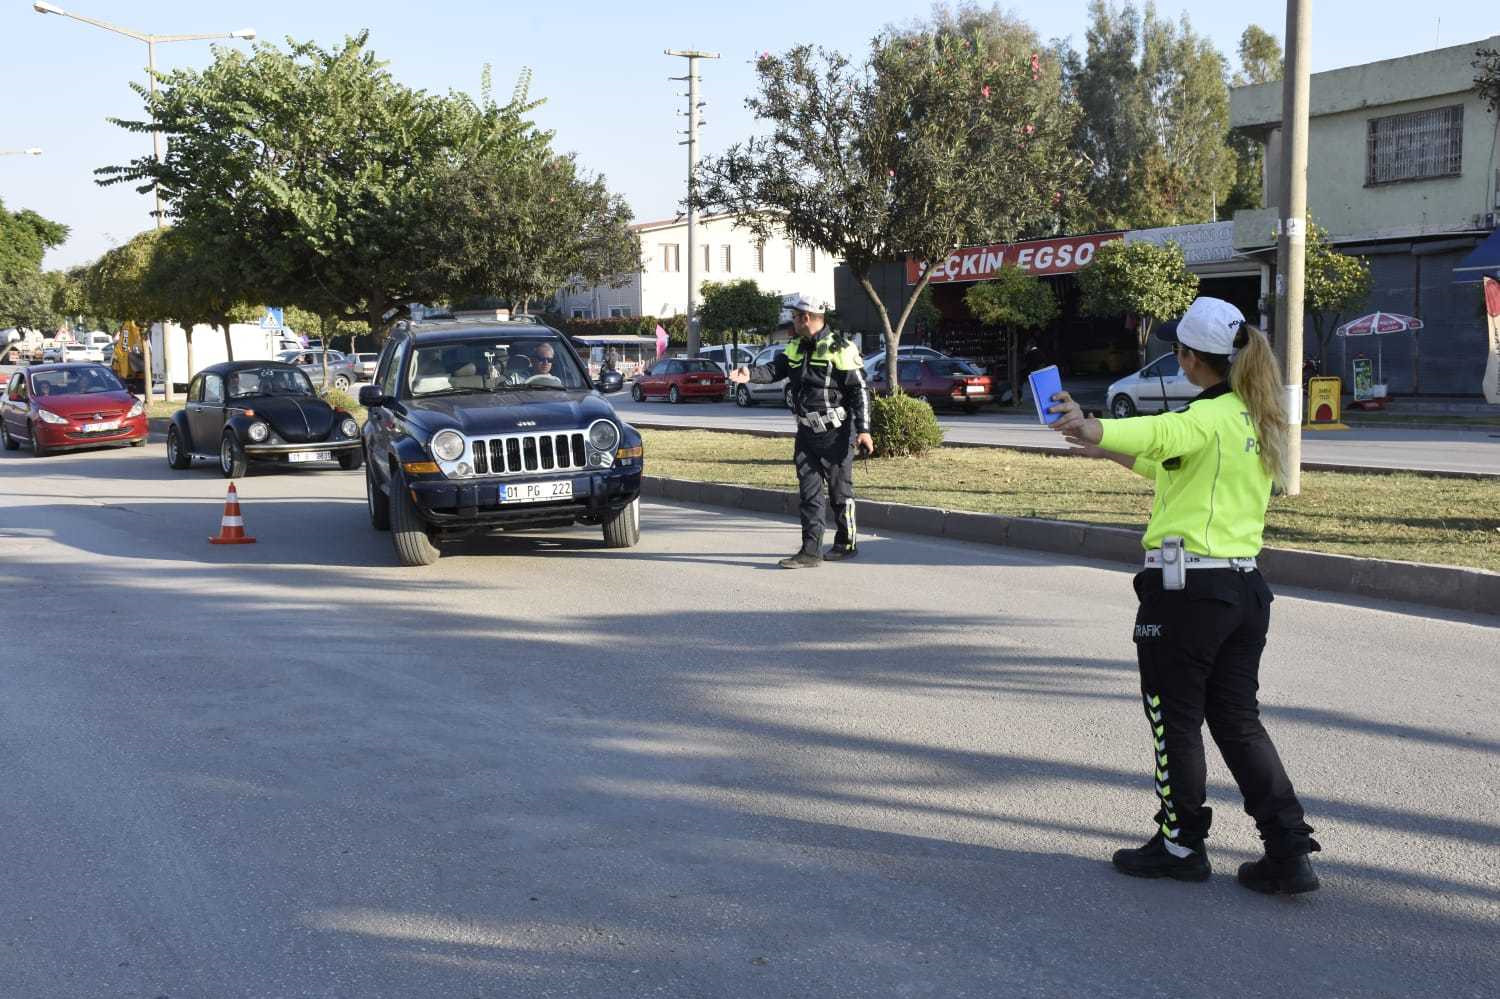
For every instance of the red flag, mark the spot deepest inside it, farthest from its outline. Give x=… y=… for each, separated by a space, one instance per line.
x=1492 y=365
x=661 y=340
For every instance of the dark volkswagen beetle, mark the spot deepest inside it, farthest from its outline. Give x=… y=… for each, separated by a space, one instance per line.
x=265 y=411
x=494 y=426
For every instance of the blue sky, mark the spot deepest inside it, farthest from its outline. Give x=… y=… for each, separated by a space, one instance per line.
x=599 y=65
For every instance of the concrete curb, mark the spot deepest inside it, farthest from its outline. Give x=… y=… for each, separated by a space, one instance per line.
x=1310 y=466
x=1449 y=587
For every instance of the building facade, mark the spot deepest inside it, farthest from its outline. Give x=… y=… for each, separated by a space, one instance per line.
x=724 y=252
x=1402 y=170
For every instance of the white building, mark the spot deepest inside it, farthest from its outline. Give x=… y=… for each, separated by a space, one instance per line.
x=725 y=253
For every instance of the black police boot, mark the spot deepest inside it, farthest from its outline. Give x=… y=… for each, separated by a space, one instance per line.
x=841 y=553
x=1279 y=875
x=801 y=560
x=1154 y=860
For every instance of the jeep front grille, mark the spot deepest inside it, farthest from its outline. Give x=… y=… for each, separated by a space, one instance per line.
x=524 y=454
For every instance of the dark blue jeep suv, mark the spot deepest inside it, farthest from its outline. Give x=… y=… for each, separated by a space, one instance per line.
x=494 y=426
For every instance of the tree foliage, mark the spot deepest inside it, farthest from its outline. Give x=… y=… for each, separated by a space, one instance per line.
x=1333 y=283
x=734 y=307
x=25 y=293
x=1260 y=62
x=949 y=133
x=1141 y=280
x=1155 y=114
x=316 y=177
x=1487 y=77
x=1013 y=300
x=545 y=222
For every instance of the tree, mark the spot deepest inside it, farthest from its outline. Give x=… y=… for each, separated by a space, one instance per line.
x=1155 y=113
x=313 y=170
x=1487 y=78
x=541 y=222
x=194 y=278
x=1260 y=62
x=1333 y=283
x=1142 y=280
x=948 y=134
x=25 y=294
x=1016 y=303
x=734 y=307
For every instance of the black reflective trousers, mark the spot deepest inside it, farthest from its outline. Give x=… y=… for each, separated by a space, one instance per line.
x=1199 y=655
x=825 y=472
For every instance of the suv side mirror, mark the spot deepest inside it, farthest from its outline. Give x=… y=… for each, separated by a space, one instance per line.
x=611 y=381
x=370 y=395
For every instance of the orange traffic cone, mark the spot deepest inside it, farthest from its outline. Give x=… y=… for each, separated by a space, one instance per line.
x=232 y=527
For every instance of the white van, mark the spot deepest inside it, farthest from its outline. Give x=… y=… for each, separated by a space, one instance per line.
x=98 y=344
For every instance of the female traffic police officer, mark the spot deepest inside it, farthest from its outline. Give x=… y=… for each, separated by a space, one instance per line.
x=1204 y=608
x=827 y=380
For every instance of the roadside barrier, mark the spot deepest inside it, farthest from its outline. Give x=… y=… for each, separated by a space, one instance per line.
x=232 y=526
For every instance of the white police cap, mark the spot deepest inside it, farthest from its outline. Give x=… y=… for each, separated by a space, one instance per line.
x=803 y=302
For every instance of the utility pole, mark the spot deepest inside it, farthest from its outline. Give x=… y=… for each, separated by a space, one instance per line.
x=1291 y=242
x=694 y=106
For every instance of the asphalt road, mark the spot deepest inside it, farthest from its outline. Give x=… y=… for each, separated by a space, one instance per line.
x=542 y=768
x=1434 y=450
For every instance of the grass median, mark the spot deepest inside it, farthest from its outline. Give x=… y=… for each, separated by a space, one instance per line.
x=1407 y=517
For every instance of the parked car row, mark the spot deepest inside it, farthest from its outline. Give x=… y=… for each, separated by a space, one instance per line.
x=922 y=371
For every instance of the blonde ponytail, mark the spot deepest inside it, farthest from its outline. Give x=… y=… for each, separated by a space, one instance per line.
x=1255 y=376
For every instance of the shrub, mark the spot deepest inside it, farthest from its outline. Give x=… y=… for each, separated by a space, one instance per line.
x=903 y=425
x=339 y=399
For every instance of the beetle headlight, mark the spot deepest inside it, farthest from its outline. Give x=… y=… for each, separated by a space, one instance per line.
x=259 y=431
x=349 y=427
x=448 y=445
x=604 y=435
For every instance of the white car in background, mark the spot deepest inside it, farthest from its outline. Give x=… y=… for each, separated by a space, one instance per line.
x=1158 y=386
x=751 y=393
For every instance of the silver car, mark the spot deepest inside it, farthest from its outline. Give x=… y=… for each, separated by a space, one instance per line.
x=343 y=371
x=751 y=393
x=1159 y=385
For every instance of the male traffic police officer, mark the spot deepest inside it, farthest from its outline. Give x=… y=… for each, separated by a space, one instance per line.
x=827 y=379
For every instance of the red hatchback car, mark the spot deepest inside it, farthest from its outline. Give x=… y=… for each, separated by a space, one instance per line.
x=56 y=407
x=681 y=378
x=941 y=381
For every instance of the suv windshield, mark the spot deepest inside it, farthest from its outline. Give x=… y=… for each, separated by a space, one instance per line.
x=268 y=381
x=496 y=364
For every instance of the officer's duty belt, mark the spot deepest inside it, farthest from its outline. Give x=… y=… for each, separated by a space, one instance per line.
x=1192 y=560
x=820 y=422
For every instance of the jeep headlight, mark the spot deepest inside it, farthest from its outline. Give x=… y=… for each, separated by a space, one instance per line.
x=349 y=427
x=604 y=436
x=448 y=445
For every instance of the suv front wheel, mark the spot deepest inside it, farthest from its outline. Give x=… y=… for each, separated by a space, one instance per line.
x=623 y=529
x=408 y=530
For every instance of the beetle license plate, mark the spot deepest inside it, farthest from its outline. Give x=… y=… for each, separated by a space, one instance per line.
x=99 y=428
x=536 y=492
x=310 y=456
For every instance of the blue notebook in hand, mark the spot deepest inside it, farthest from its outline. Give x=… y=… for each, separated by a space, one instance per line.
x=1045 y=383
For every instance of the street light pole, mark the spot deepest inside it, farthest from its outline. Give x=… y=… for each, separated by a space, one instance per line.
x=692 y=143
x=1291 y=243
x=248 y=34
